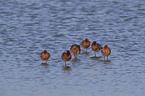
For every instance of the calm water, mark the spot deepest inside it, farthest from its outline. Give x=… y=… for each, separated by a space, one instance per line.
x=27 y=27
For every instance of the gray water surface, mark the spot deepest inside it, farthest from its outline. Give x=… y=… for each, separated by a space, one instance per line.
x=27 y=27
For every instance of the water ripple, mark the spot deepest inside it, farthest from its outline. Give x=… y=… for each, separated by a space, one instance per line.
x=30 y=26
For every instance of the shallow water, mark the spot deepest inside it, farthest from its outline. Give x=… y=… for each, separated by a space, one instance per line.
x=27 y=27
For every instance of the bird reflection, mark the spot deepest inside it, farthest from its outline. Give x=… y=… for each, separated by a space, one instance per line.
x=106 y=61
x=86 y=53
x=66 y=68
x=45 y=64
x=95 y=58
x=75 y=60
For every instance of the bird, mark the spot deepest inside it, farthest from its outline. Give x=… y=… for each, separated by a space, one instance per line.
x=75 y=49
x=106 y=51
x=96 y=47
x=66 y=56
x=85 y=43
x=45 y=55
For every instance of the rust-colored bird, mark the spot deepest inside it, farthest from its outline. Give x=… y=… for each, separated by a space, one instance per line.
x=44 y=55
x=85 y=43
x=96 y=47
x=106 y=51
x=75 y=49
x=66 y=56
